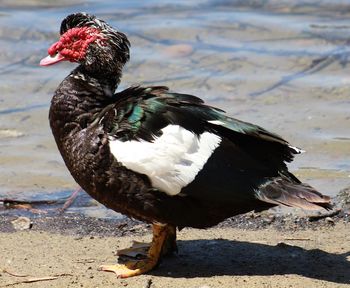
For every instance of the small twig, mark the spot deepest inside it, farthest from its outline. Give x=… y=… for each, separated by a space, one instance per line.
x=84 y=261
x=14 y=274
x=10 y=202
x=297 y=239
x=26 y=207
x=70 y=200
x=32 y=280
x=322 y=216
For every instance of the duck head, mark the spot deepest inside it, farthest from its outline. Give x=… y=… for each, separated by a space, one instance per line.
x=94 y=44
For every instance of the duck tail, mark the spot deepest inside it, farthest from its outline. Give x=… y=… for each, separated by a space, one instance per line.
x=292 y=193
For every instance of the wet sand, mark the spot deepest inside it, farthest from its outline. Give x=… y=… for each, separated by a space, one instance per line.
x=317 y=255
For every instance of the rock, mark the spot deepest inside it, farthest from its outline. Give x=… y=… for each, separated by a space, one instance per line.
x=22 y=223
x=329 y=220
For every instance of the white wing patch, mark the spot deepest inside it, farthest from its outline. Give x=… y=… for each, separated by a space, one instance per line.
x=171 y=161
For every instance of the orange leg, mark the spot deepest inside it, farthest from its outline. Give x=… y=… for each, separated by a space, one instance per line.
x=164 y=237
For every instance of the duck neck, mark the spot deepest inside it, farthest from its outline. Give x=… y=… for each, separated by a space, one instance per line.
x=107 y=82
x=78 y=99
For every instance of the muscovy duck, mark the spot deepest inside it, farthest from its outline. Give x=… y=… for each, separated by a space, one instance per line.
x=158 y=156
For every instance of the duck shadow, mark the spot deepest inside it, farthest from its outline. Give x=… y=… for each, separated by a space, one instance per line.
x=206 y=258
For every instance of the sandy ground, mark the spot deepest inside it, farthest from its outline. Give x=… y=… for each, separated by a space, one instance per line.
x=217 y=257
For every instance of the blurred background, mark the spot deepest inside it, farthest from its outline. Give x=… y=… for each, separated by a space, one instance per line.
x=280 y=64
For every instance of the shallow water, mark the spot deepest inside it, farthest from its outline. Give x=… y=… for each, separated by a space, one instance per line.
x=277 y=64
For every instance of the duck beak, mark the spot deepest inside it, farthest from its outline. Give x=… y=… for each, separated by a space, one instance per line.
x=50 y=60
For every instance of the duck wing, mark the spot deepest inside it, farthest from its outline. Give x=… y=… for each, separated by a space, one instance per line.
x=188 y=148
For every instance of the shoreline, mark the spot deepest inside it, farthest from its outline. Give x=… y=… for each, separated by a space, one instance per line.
x=68 y=223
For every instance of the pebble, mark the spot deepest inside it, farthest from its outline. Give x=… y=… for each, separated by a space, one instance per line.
x=329 y=220
x=22 y=223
